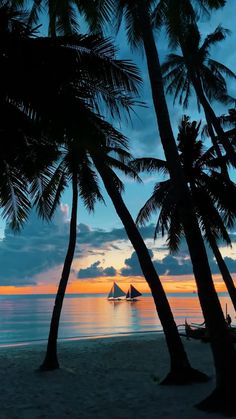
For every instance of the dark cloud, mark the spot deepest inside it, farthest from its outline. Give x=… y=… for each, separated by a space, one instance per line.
x=132 y=267
x=172 y=265
x=42 y=246
x=39 y=247
x=95 y=270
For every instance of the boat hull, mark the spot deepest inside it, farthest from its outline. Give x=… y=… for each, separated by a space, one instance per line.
x=201 y=333
x=116 y=299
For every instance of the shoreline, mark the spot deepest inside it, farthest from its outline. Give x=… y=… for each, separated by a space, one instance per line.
x=81 y=338
x=112 y=377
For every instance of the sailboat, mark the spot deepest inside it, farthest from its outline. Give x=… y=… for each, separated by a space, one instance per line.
x=116 y=293
x=132 y=294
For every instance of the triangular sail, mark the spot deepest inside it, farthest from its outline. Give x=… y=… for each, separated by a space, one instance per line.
x=116 y=292
x=128 y=294
x=111 y=293
x=133 y=292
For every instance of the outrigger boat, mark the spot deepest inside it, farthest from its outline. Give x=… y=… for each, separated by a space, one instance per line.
x=200 y=332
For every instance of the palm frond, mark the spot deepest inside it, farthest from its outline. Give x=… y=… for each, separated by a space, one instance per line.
x=14 y=200
x=218 y=35
x=149 y=165
x=47 y=188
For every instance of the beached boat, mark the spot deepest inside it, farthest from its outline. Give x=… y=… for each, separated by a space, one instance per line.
x=132 y=294
x=200 y=332
x=116 y=293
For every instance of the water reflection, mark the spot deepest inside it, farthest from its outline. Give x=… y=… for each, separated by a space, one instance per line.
x=24 y=318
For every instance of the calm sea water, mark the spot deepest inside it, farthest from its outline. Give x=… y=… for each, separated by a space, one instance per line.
x=26 y=318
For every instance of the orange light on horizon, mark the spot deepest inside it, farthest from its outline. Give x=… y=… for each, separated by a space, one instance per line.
x=99 y=285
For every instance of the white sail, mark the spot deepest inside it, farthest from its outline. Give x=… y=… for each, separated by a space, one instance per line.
x=116 y=292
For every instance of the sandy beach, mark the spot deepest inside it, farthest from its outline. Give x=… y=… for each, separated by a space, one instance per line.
x=101 y=378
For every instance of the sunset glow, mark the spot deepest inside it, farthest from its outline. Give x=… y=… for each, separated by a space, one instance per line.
x=171 y=285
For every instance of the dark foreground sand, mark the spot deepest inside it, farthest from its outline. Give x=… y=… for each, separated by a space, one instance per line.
x=101 y=378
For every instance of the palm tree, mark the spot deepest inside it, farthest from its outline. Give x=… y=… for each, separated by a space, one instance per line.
x=74 y=118
x=74 y=167
x=180 y=19
x=35 y=87
x=98 y=145
x=180 y=370
x=196 y=69
x=57 y=82
x=212 y=196
x=137 y=16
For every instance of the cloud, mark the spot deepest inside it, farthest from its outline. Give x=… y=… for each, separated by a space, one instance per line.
x=172 y=265
x=95 y=271
x=42 y=246
x=39 y=247
x=132 y=267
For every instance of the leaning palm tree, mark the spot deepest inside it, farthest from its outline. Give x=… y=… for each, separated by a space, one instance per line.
x=195 y=69
x=212 y=197
x=137 y=17
x=181 y=371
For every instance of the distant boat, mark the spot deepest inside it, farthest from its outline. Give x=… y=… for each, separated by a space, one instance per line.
x=116 y=293
x=132 y=293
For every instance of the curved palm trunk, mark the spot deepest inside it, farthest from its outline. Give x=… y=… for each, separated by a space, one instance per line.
x=51 y=361
x=180 y=370
x=223 y=351
x=223 y=269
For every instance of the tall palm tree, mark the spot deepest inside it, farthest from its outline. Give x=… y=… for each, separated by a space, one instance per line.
x=212 y=197
x=74 y=167
x=137 y=16
x=196 y=69
x=98 y=145
x=180 y=370
x=180 y=19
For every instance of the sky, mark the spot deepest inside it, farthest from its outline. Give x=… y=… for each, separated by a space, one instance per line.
x=31 y=262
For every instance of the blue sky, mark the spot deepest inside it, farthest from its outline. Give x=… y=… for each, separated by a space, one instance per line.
x=102 y=248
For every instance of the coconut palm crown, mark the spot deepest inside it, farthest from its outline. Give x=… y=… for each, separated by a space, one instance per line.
x=178 y=75
x=212 y=196
x=40 y=78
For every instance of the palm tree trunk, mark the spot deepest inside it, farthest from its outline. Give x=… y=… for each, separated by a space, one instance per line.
x=180 y=371
x=223 y=269
x=51 y=361
x=222 y=347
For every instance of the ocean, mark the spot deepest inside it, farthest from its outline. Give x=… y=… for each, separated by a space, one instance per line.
x=26 y=318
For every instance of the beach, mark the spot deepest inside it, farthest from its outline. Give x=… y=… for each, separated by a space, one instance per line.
x=115 y=377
